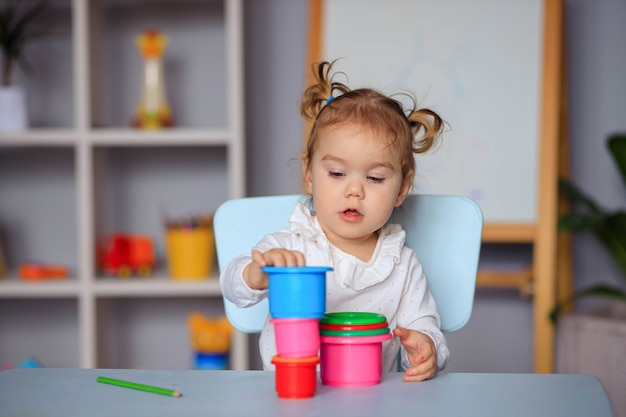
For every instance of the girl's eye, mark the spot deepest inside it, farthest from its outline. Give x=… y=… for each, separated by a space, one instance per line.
x=375 y=179
x=335 y=174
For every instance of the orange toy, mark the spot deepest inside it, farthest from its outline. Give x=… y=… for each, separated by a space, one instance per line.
x=209 y=335
x=40 y=272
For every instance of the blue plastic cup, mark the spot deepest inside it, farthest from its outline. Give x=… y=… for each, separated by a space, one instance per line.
x=297 y=292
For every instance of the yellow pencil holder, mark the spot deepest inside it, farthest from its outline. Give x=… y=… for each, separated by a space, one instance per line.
x=190 y=253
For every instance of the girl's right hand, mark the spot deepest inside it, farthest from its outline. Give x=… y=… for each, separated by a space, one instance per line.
x=256 y=278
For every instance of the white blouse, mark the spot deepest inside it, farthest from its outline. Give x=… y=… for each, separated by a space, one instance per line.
x=391 y=283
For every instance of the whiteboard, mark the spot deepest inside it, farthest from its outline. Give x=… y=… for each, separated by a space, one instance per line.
x=478 y=64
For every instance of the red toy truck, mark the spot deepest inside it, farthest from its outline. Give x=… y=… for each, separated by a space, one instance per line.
x=123 y=255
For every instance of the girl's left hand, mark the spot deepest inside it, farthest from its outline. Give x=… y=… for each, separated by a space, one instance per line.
x=421 y=353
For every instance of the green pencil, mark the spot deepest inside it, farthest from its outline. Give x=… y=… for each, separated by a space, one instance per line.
x=140 y=387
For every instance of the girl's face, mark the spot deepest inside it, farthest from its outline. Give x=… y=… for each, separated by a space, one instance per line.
x=355 y=180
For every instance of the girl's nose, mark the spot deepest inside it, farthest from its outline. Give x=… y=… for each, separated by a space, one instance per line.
x=355 y=189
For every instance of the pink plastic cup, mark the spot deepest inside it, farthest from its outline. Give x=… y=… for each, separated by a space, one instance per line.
x=352 y=361
x=296 y=338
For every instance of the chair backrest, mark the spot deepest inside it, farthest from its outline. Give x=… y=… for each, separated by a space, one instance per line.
x=445 y=232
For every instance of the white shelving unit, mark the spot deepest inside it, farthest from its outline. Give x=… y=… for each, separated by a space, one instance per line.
x=80 y=172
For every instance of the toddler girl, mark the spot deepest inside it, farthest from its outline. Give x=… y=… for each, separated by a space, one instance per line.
x=358 y=167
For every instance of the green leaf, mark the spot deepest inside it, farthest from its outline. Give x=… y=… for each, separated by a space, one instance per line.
x=577 y=197
x=600 y=290
x=603 y=290
x=612 y=233
x=575 y=222
x=617 y=147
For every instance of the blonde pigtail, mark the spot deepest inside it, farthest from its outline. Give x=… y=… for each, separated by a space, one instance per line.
x=320 y=94
x=427 y=126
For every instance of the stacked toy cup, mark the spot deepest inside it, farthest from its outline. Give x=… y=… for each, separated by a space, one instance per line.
x=351 y=348
x=297 y=300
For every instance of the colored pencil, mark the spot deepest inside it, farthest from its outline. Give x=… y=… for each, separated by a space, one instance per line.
x=141 y=387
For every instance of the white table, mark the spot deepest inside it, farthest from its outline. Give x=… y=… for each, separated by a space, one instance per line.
x=75 y=393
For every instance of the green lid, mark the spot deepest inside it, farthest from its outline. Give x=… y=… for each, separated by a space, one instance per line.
x=370 y=332
x=352 y=317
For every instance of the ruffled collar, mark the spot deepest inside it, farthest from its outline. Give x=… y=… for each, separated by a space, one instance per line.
x=348 y=270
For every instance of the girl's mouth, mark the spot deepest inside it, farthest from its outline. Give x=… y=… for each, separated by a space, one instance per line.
x=351 y=214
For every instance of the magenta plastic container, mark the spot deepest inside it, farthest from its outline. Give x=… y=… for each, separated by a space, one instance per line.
x=352 y=361
x=296 y=338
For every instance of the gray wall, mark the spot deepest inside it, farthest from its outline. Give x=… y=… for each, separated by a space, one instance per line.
x=275 y=70
x=498 y=337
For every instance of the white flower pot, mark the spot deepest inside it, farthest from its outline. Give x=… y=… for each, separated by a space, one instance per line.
x=13 y=117
x=595 y=344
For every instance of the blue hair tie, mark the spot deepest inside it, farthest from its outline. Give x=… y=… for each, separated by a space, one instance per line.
x=329 y=99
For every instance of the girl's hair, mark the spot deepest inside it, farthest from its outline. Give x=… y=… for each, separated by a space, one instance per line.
x=414 y=131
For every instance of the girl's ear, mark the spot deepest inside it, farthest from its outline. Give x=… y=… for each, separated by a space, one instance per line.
x=307 y=175
x=405 y=187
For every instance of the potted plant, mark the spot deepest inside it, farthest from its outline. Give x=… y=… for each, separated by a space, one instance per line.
x=21 y=23
x=608 y=227
x=595 y=342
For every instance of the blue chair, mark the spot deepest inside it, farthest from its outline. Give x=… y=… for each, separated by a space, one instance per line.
x=445 y=232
